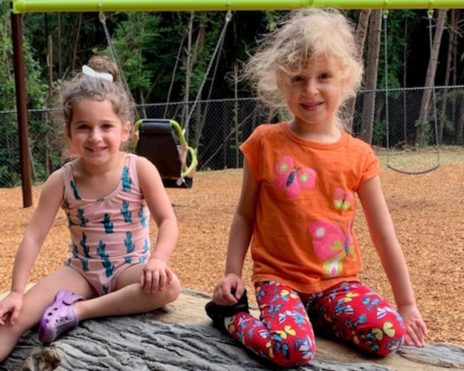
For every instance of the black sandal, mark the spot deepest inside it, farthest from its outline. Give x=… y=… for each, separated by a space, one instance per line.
x=218 y=312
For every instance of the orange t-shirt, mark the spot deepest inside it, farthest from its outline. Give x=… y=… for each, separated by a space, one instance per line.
x=303 y=234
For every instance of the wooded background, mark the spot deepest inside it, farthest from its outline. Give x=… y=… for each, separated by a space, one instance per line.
x=167 y=57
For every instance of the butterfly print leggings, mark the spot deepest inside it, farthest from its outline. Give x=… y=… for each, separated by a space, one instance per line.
x=284 y=334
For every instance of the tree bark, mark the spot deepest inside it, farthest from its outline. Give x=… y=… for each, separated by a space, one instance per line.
x=48 y=164
x=371 y=76
x=188 y=68
x=236 y=113
x=180 y=337
x=459 y=123
x=76 y=42
x=452 y=32
x=361 y=31
x=405 y=83
x=422 y=126
x=192 y=58
x=59 y=41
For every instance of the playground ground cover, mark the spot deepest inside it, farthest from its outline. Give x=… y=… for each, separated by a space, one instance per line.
x=427 y=211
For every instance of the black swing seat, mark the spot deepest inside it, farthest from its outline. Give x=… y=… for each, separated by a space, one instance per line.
x=157 y=143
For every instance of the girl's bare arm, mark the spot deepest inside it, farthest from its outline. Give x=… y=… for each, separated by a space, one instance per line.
x=36 y=231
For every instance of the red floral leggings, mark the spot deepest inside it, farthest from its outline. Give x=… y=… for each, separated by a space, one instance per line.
x=284 y=333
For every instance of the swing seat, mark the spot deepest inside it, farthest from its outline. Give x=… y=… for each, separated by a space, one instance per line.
x=158 y=144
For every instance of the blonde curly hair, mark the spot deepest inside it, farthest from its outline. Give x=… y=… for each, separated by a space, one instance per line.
x=305 y=35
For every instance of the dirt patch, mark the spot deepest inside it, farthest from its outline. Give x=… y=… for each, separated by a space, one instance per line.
x=427 y=211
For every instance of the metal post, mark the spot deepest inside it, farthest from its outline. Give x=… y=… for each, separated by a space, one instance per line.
x=26 y=6
x=21 y=108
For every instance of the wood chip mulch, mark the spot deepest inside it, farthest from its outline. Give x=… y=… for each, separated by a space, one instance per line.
x=427 y=211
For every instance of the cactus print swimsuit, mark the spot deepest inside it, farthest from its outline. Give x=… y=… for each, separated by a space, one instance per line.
x=108 y=234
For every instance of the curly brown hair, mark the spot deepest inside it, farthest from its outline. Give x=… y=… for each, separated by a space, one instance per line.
x=82 y=87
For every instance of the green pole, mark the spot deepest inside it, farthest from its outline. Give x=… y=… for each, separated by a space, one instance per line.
x=30 y=6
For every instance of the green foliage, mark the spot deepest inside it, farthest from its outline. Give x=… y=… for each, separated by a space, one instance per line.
x=379 y=132
x=396 y=42
x=74 y=36
x=7 y=86
x=206 y=29
x=9 y=176
x=272 y=20
x=134 y=41
x=36 y=92
x=147 y=44
x=454 y=103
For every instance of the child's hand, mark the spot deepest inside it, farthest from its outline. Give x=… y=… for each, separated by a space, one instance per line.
x=156 y=275
x=10 y=307
x=416 y=331
x=229 y=290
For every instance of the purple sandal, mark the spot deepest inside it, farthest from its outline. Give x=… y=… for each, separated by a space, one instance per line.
x=58 y=317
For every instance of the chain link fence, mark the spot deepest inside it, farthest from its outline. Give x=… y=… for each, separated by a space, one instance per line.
x=217 y=128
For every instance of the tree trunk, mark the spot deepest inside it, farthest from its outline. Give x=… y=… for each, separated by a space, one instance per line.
x=199 y=46
x=459 y=125
x=361 y=31
x=180 y=337
x=405 y=82
x=48 y=164
x=59 y=41
x=452 y=31
x=236 y=113
x=371 y=76
x=76 y=42
x=188 y=70
x=225 y=139
x=192 y=58
x=422 y=126
x=455 y=51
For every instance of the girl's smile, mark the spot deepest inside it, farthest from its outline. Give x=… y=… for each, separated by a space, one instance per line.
x=311 y=106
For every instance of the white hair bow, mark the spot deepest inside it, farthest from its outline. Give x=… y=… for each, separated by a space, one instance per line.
x=89 y=71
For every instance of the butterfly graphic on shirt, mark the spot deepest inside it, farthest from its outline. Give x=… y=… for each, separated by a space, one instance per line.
x=293 y=178
x=342 y=199
x=332 y=244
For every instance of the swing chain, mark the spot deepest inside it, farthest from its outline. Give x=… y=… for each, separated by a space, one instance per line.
x=437 y=165
x=114 y=57
x=213 y=57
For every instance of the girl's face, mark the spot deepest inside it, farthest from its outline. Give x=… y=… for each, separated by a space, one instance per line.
x=314 y=95
x=96 y=132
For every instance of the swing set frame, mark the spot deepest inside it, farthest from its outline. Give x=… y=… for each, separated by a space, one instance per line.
x=28 y=6
x=19 y=7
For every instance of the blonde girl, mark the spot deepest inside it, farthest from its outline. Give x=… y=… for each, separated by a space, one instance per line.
x=297 y=209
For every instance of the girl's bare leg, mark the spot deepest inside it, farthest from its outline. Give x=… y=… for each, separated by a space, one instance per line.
x=37 y=299
x=128 y=297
